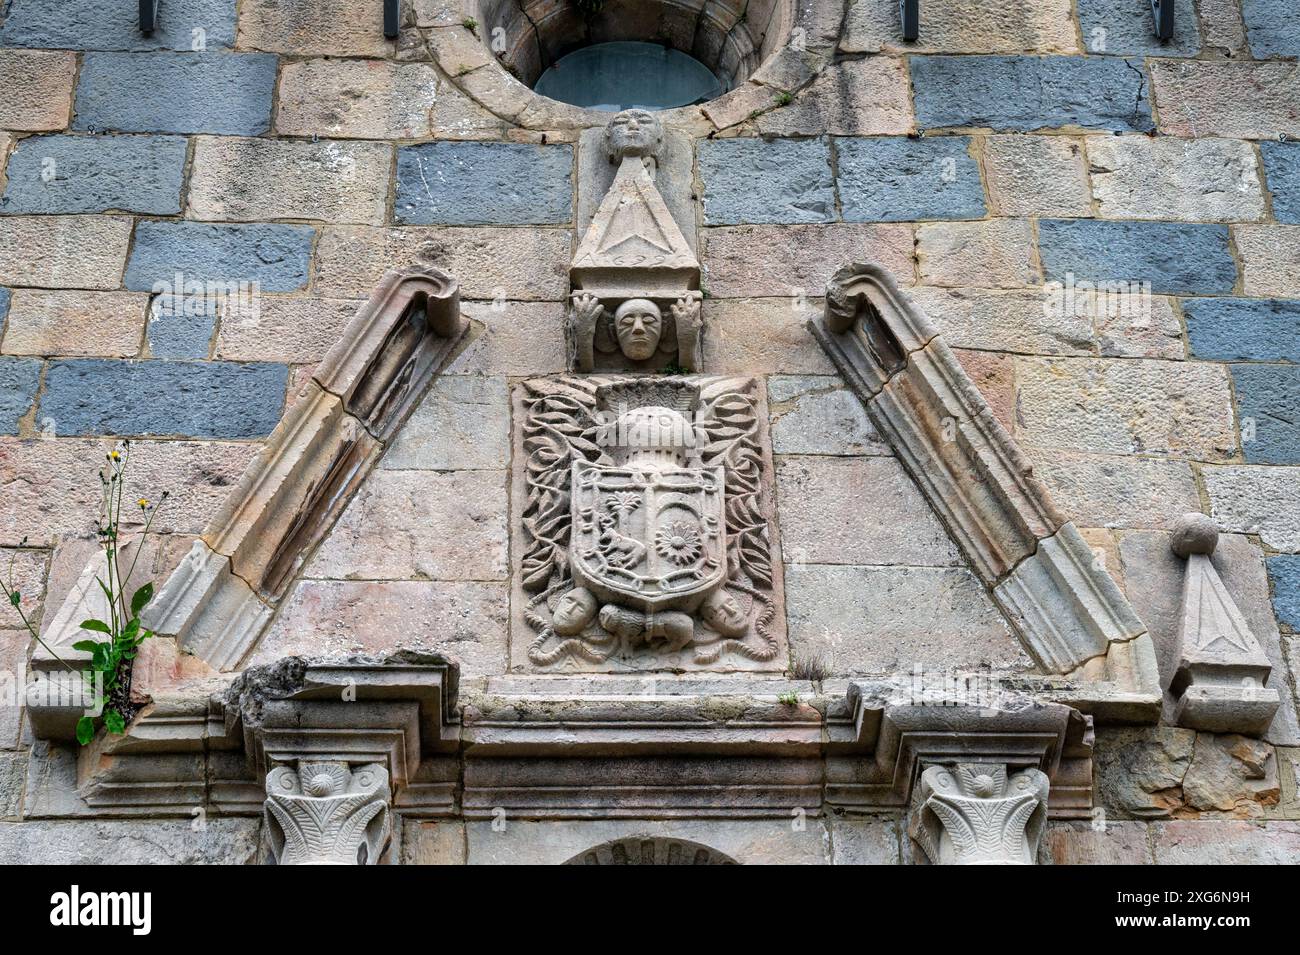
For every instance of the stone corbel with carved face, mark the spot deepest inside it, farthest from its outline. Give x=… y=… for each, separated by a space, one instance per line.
x=636 y=334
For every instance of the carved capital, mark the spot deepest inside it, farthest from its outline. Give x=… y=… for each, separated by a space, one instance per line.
x=325 y=813
x=975 y=814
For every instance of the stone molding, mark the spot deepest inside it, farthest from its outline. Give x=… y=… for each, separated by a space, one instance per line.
x=1220 y=684
x=1065 y=608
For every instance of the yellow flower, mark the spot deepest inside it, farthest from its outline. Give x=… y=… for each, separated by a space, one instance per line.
x=116 y=455
x=143 y=502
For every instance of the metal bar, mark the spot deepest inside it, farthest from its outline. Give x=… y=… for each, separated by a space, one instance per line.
x=392 y=18
x=909 y=12
x=148 y=15
x=1163 y=11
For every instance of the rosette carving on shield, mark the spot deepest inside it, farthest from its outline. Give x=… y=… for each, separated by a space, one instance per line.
x=644 y=508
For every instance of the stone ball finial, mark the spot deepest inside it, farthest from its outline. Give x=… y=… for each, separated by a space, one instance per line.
x=1194 y=534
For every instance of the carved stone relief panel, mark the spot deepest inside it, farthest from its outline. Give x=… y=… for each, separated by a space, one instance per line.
x=643 y=513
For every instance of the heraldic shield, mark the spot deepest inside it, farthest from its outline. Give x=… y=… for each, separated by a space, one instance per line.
x=647 y=538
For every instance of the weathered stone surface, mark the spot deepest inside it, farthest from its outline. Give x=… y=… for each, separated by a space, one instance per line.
x=1134 y=324
x=994 y=374
x=1004 y=321
x=433 y=842
x=456 y=183
x=53 y=174
x=89 y=396
x=1140 y=771
x=313 y=27
x=527 y=264
x=888 y=180
x=109 y=25
x=1233 y=774
x=246 y=180
x=1257 y=500
x=996 y=253
x=465 y=620
x=19 y=378
x=816 y=414
x=518 y=338
x=762 y=335
x=863 y=841
x=105 y=324
x=1270 y=259
x=965 y=26
x=25 y=574
x=1285 y=571
x=1237 y=100
x=420 y=525
x=13 y=771
x=1125 y=29
x=1174 y=257
x=52 y=490
x=304 y=329
x=181 y=328
x=1036 y=176
x=360 y=99
x=863 y=97
x=1268 y=403
x=14 y=647
x=1225 y=842
x=1213 y=180
x=1126 y=407
x=1282 y=169
x=1028 y=92
x=1222 y=26
x=865 y=620
x=227 y=93
x=527 y=842
x=762 y=181
x=798 y=260
x=864 y=511
x=1154 y=576
x=274 y=256
x=1100 y=842
x=63 y=251
x=37 y=94
x=142 y=842
x=1111 y=491
x=1273 y=27
x=462 y=423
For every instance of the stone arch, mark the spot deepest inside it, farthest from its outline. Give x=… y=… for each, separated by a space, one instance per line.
x=650 y=850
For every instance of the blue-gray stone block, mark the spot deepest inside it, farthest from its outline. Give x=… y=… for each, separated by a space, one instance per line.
x=455 y=183
x=1126 y=28
x=4 y=304
x=1243 y=329
x=1285 y=571
x=757 y=181
x=115 y=25
x=1282 y=171
x=194 y=399
x=1176 y=258
x=904 y=180
x=63 y=174
x=226 y=93
x=181 y=326
x=18 y=380
x=1031 y=92
x=275 y=256
x=1268 y=400
x=1272 y=27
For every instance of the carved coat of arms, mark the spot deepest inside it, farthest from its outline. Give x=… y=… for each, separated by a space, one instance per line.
x=645 y=510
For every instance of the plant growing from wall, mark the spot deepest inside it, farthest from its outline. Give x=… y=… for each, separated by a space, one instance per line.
x=115 y=641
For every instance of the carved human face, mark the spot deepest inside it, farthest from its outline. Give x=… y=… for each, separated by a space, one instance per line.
x=721 y=612
x=633 y=132
x=638 y=325
x=574 y=611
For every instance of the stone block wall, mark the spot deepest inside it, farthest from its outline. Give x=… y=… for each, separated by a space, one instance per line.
x=1014 y=154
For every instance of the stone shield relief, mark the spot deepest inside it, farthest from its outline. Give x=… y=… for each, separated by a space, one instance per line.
x=643 y=521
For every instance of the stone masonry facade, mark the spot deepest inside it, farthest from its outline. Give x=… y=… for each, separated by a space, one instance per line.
x=1104 y=228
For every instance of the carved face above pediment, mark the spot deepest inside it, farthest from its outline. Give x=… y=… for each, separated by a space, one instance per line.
x=643 y=514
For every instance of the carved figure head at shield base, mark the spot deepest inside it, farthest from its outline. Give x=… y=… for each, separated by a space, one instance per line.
x=633 y=132
x=638 y=324
x=575 y=610
x=721 y=612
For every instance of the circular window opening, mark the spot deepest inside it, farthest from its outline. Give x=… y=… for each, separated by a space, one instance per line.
x=613 y=54
x=626 y=74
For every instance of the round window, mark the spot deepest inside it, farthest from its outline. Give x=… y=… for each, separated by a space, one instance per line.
x=625 y=74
